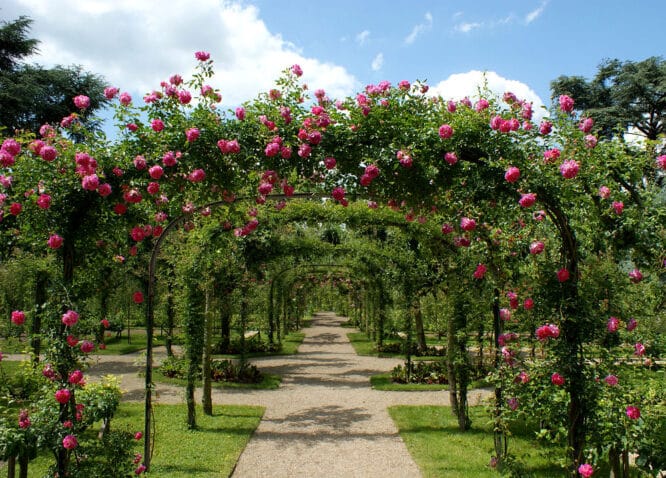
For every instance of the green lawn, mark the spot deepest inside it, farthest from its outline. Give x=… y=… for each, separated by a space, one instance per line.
x=290 y=344
x=364 y=346
x=383 y=382
x=120 y=346
x=270 y=382
x=210 y=451
x=440 y=449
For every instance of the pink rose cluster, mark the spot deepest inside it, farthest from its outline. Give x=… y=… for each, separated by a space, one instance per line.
x=548 y=331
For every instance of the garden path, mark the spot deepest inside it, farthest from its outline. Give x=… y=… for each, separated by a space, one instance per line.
x=323 y=421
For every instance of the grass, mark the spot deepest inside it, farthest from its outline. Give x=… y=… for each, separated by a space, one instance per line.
x=440 y=449
x=212 y=450
x=383 y=382
x=290 y=344
x=269 y=382
x=364 y=346
x=119 y=346
x=14 y=345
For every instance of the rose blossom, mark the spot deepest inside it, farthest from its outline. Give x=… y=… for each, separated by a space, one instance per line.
x=75 y=377
x=54 y=241
x=445 y=131
x=70 y=442
x=18 y=317
x=81 y=102
x=480 y=271
x=585 y=470
x=604 y=192
x=467 y=224
x=202 y=55
x=633 y=412
x=586 y=125
x=569 y=169
x=137 y=297
x=62 y=395
x=537 y=247
x=512 y=174
x=192 y=135
x=635 y=276
x=557 y=379
x=611 y=380
x=631 y=324
x=639 y=349
x=613 y=324
x=87 y=346
x=451 y=158
x=70 y=318
x=566 y=103
x=618 y=207
x=661 y=161
x=157 y=125
x=563 y=275
x=527 y=199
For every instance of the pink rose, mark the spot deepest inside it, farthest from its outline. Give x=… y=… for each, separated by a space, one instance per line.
x=70 y=318
x=192 y=135
x=202 y=55
x=661 y=161
x=18 y=317
x=338 y=194
x=81 y=102
x=48 y=153
x=527 y=199
x=604 y=192
x=591 y=141
x=197 y=176
x=445 y=131
x=125 y=98
x=447 y=229
x=528 y=304
x=563 y=275
x=635 y=276
x=613 y=324
x=569 y=169
x=480 y=271
x=451 y=158
x=566 y=103
x=557 y=379
x=140 y=163
x=157 y=125
x=505 y=314
x=297 y=70
x=87 y=346
x=62 y=395
x=54 y=241
x=537 y=247
x=70 y=442
x=75 y=377
x=512 y=174
x=467 y=224
x=330 y=163
x=551 y=155
x=137 y=297
x=586 y=125
x=90 y=182
x=633 y=413
x=110 y=92
x=618 y=207
x=513 y=403
x=639 y=349
x=44 y=201
x=156 y=171
x=545 y=127
x=585 y=470
x=104 y=190
x=631 y=324
x=184 y=97
x=611 y=380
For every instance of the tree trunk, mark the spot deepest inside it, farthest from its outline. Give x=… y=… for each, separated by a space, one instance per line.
x=40 y=301
x=23 y=466
x=418 y=326
x=207 y=357
x=499 y=436
x=170 y=316
x=458 y=365
x=225 y=322
x=11 y=467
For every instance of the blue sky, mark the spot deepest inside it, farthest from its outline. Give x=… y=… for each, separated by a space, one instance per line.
x=345 y=44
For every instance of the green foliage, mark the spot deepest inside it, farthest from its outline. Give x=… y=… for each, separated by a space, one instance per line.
x=421 y=372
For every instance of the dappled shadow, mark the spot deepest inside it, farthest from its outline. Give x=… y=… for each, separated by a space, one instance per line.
x=324 y=419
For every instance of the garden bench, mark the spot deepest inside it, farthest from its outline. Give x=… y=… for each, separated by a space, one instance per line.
x=402 y=335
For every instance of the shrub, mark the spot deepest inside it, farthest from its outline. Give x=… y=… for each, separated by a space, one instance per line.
x=421 y=372
x=227 y=371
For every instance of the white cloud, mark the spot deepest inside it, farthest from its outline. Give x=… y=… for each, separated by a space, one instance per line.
x=378 y=62
x=536 y=13
x=137 y=44
x=419 y=28
x=467 y=27
x=460 y=85
x=362 y=37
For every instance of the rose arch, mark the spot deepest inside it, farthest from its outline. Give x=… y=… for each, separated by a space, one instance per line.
x=523 y=204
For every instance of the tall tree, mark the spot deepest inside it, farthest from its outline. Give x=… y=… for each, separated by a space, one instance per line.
x=622 y=95
x=31 y=95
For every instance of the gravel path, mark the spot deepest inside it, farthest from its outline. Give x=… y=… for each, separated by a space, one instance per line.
x=323 y=421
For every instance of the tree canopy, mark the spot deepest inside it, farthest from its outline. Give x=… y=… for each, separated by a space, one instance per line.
x=622 y=95
x=31 y=95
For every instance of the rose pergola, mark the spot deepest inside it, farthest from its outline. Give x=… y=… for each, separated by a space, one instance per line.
x=514 y=201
